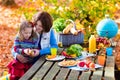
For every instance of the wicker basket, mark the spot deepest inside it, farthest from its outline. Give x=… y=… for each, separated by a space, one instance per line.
x=68 y=39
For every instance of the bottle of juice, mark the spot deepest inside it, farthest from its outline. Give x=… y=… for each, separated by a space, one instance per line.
x=92 y=44
x=6 y=77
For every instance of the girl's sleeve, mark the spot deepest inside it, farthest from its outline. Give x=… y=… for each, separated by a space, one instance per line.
x=16 y=49
x=53 y=43
x=14 y=53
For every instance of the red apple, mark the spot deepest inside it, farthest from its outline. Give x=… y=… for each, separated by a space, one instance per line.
x=92 y=65
x=88 y=64
x=82 y=64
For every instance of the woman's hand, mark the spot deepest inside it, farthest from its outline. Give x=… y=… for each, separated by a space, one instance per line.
x=21 y=58
x=36 y=52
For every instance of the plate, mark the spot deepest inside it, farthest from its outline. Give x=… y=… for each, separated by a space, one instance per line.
x=57 y=58
x=69 y=57
x=85 y=55
x=68 y=63
x=84 y=68
x=96 y=66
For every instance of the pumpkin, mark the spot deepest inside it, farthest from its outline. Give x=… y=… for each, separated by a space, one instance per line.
x=107 y=28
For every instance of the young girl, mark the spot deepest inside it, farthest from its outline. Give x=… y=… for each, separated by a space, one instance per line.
x=25 y=39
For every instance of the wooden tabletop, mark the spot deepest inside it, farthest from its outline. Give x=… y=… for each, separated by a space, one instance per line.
x=49 y=70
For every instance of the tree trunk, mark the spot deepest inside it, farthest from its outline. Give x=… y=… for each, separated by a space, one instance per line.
x=7 y=2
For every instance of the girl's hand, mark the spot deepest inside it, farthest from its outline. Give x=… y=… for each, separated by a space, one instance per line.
x=21 y=58
x=26 y=51
x=31 y=52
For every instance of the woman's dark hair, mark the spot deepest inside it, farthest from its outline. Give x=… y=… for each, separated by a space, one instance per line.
x=45 y=19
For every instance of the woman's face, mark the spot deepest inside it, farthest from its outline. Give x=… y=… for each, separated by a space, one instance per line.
x=27 y=33
x=39 y=27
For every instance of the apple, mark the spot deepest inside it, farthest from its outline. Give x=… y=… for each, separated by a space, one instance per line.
x=81 y=64
x=92 y=65
x=87 y=64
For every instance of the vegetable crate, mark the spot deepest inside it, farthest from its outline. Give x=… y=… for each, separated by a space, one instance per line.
x=68 y=39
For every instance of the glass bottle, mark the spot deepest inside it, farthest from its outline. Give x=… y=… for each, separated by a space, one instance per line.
x=92 y=44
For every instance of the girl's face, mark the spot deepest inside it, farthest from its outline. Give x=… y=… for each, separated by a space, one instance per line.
x=27 y=33
x=39 y=27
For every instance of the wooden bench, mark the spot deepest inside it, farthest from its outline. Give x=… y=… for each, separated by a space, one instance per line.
x=46 y=70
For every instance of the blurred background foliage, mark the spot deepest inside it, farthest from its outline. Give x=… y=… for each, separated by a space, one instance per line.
x=87 y=12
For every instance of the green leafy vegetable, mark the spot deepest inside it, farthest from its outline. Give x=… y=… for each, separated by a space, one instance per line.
x=59 y=24
x=75 y=49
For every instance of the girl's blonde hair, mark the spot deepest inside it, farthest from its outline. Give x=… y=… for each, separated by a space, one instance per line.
x=23 y=25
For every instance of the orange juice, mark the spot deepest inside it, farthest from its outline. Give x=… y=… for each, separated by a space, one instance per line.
x=53 y=51
x=101 y=60
x=6 y=77
x=92 y=44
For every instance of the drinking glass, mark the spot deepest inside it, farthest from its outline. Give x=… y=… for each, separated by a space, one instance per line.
x=53 y=51
x=101 y=60
x=109 y=51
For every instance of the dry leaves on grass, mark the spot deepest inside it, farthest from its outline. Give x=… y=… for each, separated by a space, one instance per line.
x=7 y=35
x=9 y=21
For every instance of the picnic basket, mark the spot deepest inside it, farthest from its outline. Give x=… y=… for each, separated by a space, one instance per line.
x=69 y=39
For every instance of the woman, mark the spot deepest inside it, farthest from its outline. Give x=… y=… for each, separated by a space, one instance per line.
x=43 y=25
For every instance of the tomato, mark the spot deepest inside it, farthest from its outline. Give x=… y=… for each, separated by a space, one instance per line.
x=64 y=53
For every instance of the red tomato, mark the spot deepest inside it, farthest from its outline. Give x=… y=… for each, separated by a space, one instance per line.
x=64 y=53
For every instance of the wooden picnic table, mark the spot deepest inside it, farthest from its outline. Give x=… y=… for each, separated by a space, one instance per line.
x=49 y=70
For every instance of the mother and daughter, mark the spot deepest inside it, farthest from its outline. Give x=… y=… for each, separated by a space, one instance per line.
x=31 y=42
